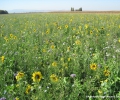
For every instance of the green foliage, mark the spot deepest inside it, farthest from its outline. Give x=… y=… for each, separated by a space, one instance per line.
x=3 y=12
x=77 y=55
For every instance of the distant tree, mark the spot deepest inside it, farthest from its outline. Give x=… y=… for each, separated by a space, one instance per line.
x=72 y=9
x=80 y=9
x=3 y=12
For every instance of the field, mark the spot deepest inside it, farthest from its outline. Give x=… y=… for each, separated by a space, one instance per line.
x=60 y=56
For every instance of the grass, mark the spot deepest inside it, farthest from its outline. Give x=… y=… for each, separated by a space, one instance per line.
x=59 y=56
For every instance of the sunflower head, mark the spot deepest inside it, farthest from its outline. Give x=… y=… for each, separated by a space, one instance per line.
x=28 y=89
x=106 y=72
x=93 y=66
x=19 y=76
x=54 y=78
x=37 y=76
x=2 y=58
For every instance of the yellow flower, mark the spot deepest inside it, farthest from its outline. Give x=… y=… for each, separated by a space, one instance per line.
x=93 y=66
x=52 y=46
x=86 y=26
x=119 y=40
x=44 y=50
x=28 y=89
x=99 y=91
x=106 y=72
x=54 y=78
x=34 y=30
x=6 y=39
x=11 y=35
x=16 y=98
x=59 y=27
x=68 y=49
x=69 y=59
x=2 y=59
x=66 y=26
x=19 y=76
x=37 y=76
x=47 y=31
x=15 y=37
x=54 y=64
x=77 y=42
x=91 y=32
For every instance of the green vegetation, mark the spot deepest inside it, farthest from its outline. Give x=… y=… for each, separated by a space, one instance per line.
x=60 y=56
x=3 y=12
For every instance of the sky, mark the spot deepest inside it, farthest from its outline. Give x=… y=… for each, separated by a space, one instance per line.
x=91 y=5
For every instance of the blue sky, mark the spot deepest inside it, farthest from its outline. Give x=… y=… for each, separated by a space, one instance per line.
x=60 y=4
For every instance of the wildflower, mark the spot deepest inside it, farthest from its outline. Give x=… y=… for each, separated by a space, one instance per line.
x=19 y=76
x=52 y=46
x=54 y=78
x=69 y=59
x=70 y=20
x=54 y=64
x=47 y=32
x=28 y=89
x=6 y=39
x=44 y=50
x=77 y=42
x=106 y=72
x=59 y=27
x=3 y=98
x=86 y=26
x=2 y=58
x=99 y=91
x=16 y=98
x=68 y=49
x=37 y=76
x=15 y=37
x=73 y=75
x=119 y=40
x=93 y=66
x=66 y=26
x=102 y=28
x=91 y=32
x=34 y=30
x=73 y=28
x=11 y=35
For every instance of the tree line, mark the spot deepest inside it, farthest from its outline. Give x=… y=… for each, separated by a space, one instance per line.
x=3 y=12
x=72 y=9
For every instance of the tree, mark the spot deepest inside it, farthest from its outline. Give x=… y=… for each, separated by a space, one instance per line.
x=72 y=9
x=3 y=12
x=80 y=9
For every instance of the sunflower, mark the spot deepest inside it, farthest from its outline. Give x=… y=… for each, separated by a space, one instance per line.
x=66 y=26
x=106 y=72
x=54 y=64
x=19 y=76
x=28 y=89
x=52 y=46
x=77 y=42
x=54 y=78
x=37 y=76
x=2 y=58
x=93 y=66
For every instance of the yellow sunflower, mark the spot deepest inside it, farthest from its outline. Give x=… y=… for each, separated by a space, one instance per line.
x=106 y=72
x=93 y=66
x=2 y=58
x=19 y=76
x=54 y=64
x=54 y=78
x=66 y=26
x=37 y=76
x=28 y=89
